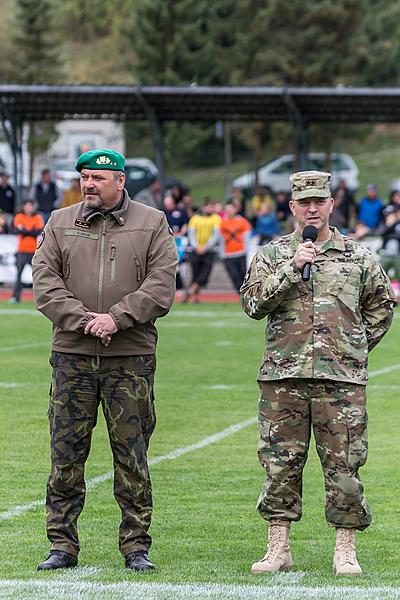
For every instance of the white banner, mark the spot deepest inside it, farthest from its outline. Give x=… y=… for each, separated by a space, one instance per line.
x=8 y=270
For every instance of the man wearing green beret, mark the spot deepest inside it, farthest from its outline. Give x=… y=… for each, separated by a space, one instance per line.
x=319 y=331
x=103 y=272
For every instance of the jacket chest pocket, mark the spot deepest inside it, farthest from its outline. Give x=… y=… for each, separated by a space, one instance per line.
x=346 y=287
x=74 y=245
x=123 y=261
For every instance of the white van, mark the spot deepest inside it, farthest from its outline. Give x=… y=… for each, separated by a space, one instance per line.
x=274 y=176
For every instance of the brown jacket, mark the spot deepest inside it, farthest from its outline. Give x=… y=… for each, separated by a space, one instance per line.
x=123 y=263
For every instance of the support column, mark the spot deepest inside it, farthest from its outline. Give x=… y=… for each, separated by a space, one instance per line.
x=228 y=158
x=156 y=127
x=299 y=130
x=13 y=133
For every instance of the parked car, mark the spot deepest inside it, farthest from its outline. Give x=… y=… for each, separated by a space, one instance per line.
x=63 y=172
x=139 y=173
x=274 y=176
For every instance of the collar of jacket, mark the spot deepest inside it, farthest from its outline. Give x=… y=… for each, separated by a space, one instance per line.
x=336 y=241
x=120 y=215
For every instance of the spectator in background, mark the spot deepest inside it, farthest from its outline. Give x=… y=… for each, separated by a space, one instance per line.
x=370 y=208
x=187 y=204
x=28 y=225
x=237 y=198
x=73 y=195
x=218 y=208
x=234 y=231
x=259 y=199
x=394 y=199
x=151 y=196
x=203 y=240
x=390 y=250
x=267 y=225
x=338 y=218
x=46 y=195
x=4 y=228
x=177 y=192
x=283 y=212
x=7 y=198
x=347 y=204
x=176 y=217
x=178 y=221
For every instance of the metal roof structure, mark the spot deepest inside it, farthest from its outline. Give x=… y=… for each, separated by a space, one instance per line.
x=40 y=102
x=300 y=106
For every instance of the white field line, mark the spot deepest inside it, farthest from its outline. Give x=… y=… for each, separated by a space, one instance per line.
x=208 y=314
x=21 y=509
x=25 y=346
x=10 y=312
x=384 y=370
x=59 y=588
x=207 y=325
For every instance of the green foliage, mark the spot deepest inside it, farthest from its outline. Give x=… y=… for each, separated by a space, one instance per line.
x=382 y=26
x=37 y=61
x=37 y=55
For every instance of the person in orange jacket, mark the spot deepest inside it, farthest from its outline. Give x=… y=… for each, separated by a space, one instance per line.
x=28 y=225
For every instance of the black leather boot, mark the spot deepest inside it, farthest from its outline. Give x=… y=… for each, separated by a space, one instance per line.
x=58 y=559
x=138 y=561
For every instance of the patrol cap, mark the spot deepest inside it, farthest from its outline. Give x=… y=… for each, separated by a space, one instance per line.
x=103 y=159
x=310 y=184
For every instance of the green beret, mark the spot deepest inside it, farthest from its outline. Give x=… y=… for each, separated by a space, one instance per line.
x=103 y=159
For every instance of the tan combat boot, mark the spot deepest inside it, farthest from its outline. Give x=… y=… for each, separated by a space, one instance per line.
x=345 y=560
x=278 y=557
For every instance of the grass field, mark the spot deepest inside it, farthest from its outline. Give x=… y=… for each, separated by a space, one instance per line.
x=205 y=529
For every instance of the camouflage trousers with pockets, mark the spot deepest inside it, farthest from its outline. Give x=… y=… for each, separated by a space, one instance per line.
x=124 y=387
x=336 y=411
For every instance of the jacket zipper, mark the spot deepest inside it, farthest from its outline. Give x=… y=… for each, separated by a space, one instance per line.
x=113 y=262
x=101 y=276
x=138 y=274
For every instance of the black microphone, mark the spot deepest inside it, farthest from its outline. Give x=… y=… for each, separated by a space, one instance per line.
x=310 y=234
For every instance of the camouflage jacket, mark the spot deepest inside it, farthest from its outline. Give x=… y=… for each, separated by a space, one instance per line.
x=323 y=328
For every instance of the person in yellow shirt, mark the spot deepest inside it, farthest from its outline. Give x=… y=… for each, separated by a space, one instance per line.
x=259 y=199
x=203 y=233
x=73 y=194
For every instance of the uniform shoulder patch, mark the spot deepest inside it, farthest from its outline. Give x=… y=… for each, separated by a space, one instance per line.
x=40 y=240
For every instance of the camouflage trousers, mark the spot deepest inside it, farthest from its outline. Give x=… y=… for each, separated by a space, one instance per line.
x=288 y=409
x=124 y=387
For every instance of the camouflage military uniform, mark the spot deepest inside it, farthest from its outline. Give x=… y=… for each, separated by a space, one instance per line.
x=124 y=387
x=314 y=369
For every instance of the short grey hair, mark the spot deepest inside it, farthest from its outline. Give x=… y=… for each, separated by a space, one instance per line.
x=117 y=174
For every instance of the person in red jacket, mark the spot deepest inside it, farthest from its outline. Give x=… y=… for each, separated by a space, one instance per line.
x=28 y=225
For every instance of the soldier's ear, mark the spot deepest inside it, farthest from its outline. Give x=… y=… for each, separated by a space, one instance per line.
x=292 y=207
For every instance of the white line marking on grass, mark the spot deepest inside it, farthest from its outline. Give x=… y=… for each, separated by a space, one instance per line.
x=208 y=314
x=384 y=370
x=19 y=510
x=210 y=324
x=224 y=343
x=20 y=311
x=211 y=439
x=25 y=346
x=59 y=588
x=4 y=384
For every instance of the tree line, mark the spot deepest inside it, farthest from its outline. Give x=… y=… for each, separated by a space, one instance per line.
x=198 y=42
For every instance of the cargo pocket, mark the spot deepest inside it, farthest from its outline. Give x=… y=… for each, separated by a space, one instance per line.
x=358 y=444
x=264 y=444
